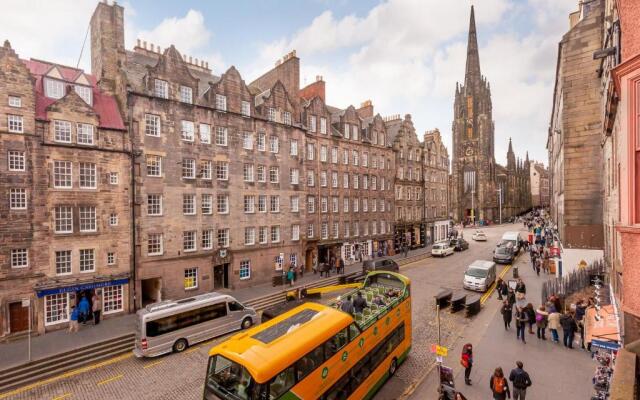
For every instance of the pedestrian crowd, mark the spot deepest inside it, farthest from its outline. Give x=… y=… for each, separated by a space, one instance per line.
x=85 y=311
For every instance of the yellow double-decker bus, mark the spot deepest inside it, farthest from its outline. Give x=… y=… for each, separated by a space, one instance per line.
x=318 y=352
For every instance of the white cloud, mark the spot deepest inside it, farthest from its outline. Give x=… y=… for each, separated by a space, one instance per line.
x=188 y=33
x=52 y=30
x=406 y=56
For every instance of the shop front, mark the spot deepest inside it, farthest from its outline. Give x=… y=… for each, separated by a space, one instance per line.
x=412 y=234
x=56 y=300
x=356 y=251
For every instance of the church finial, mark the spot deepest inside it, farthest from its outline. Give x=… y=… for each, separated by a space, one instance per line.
x=472 y=71
x=510 y=147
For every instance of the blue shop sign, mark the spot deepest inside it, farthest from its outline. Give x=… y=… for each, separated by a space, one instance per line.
x=602 y=344
x=83 y=286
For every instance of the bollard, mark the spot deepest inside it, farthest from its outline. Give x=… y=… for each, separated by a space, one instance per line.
x=515 y=272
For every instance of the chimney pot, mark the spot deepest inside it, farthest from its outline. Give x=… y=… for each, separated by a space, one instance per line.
x=138 y=42
x=190 y=60
x=144 y=44
x=196 y=61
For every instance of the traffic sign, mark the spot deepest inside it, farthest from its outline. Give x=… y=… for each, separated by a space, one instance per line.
x=439 y=350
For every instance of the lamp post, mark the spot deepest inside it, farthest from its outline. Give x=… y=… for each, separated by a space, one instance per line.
x=500 y=203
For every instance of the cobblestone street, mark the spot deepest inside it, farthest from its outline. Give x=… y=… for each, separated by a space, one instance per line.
x=181 y=376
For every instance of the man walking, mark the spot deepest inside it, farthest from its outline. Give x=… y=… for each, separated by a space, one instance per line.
x=405 y=248
x=521 y=381
x=96 y=307
x=521 y=322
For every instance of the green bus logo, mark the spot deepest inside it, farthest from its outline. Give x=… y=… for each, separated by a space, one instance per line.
x=344 y=356
x=325 y=372
x=361 y=342
x=375 y=330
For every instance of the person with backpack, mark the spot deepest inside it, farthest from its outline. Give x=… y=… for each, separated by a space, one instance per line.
x=499 y=386
x=507 y=314
x=521 y=381
x=467 y=362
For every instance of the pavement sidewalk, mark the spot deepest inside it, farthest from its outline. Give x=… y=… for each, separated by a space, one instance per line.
x=556 y=372
x=15 y=353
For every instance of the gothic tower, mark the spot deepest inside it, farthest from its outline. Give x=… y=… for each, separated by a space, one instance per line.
x=473 y=186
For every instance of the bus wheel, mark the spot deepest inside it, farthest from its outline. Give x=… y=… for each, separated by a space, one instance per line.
x=180 y=345
x=246 y=323
x=393 y=367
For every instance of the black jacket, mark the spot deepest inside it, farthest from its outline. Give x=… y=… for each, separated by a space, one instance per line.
x=568 y=323
x=359 y=303
x=520 y=378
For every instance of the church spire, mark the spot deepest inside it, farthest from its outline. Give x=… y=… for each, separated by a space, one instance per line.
x=511 y=157
x=472 y=71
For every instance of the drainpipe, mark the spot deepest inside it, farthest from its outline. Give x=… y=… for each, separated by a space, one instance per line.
x=133 y=202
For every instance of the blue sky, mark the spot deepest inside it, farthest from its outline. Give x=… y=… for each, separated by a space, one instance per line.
x=404 y=55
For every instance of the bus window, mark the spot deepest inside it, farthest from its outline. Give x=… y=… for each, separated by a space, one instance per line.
x=339 y=391
x=353 y=332
x=227 y=377
x=334 y=344
x=235 y=306
x=309 y=362
x=185 y=319
x=282 y=383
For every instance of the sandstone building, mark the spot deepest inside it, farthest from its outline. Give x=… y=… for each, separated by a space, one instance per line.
x=479 y=186
x=65 y=173
x=539 y=179
x=154 y=178
x=574 y=142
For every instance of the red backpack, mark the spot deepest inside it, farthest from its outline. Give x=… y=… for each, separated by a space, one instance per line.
x=499 y=384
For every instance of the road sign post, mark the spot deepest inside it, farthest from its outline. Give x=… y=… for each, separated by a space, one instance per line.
x=27 y=303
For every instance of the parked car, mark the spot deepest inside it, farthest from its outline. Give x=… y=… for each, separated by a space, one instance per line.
x=459 y=244
x=380 y=264
x=479 y=276
x=441 y=249
x=513 y=238
x=504 y=253
x=479 y=236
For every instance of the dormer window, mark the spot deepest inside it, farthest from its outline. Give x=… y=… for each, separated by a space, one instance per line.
x=186 y=94
x=221 y=102
x=287 y=118
x=346 y=131
x=161 y=88
x=85 y=93
x=271 y=114
x=354 y=132
x=54 y=89
x=323 y=125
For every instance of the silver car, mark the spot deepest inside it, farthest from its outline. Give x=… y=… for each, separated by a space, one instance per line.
x=175 y=325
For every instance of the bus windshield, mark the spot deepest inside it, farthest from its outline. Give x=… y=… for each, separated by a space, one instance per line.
x=230 y=380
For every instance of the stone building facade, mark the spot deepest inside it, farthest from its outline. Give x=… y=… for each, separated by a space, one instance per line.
x=574 y=136
x=435 y=163
x=620 y=137
x=153 y=178
x=477 y=181
x=539 y=179
x=65 y=168
x=410 y=227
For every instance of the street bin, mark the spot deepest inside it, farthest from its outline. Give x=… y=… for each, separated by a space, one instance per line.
x=515 y=272
x=444 y=298
x=472 y=305
x=458 y=301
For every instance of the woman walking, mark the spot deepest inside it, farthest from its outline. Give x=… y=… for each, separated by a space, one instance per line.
x=467 y=362
x=521 y=323
x=554 y=324
x=541 y=322
x=499 y=385
x=507 y=314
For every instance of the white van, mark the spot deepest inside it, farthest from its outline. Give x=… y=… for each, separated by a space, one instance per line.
x=175 y=325
x=479 y=276
x=514 y=238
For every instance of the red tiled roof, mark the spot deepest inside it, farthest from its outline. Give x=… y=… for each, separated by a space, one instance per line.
x=103 y=104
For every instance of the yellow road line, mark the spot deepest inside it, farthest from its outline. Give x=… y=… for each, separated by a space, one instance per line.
x=489 y=292
x=66 y=375
x=153 y=364
x=64 y=396
x=114 y=378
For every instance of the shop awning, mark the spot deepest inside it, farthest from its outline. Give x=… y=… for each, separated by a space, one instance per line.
x=81 y=286
x=606 y=329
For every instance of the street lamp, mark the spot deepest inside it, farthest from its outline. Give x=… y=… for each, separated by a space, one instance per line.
x=500 y=203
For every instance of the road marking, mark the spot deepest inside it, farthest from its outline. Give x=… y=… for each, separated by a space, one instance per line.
x=63 y=396
x=153 y=364
x=192 y=349
x=114 y=378
x=489 y=292
x=66 y=375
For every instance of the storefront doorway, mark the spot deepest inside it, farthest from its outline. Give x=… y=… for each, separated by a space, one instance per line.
x=18 y=317
x=221 y=276
x=151 y=291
